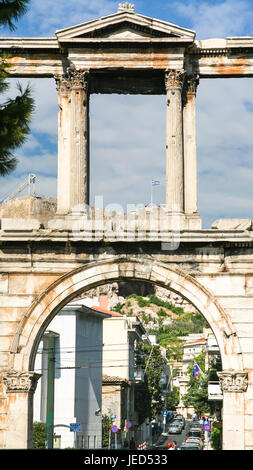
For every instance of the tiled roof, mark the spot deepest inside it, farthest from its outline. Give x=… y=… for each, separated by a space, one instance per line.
x=104 y=310
x=113 y=379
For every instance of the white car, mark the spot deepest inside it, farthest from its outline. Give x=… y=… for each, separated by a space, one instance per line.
x=195 y=440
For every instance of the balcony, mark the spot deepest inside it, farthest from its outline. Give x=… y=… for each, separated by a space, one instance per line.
x=214 y=391
x=138 y=374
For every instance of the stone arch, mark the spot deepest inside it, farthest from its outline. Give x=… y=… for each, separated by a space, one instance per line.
x=92 y=274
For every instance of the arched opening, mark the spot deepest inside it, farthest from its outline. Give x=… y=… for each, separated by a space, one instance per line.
x=69 y=286
x=106 y=367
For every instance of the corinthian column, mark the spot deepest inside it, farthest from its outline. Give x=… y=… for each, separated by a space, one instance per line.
x=190 y=156
x=174 y=142
x=73 y=142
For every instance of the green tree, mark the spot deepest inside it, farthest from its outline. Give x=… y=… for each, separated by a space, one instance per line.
x=197 y=394
x=173 y=399
x=39 y=435
x=150 y=358
x=15 y=113
x=216 y=438
x=106 y=426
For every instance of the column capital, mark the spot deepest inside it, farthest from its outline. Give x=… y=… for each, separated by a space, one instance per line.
x=72 y=79
x=191 y=83
x=174 y=79
x=233 y=381
x=23 y=382
x=190 y=86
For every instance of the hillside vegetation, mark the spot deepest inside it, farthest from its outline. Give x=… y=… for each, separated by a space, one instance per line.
x=161 y=318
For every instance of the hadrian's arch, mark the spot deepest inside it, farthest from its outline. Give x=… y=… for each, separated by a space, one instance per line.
x=49 y=254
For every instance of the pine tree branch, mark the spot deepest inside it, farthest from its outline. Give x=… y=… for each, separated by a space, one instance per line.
x=15 y=119
x=11 y=11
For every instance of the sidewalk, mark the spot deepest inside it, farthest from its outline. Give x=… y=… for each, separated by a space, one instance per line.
x=207 y=445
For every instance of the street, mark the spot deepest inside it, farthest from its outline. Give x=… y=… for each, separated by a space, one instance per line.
x=163 y=439
x=179 y=438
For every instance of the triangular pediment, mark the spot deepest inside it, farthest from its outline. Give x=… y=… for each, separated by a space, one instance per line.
x=124 y=25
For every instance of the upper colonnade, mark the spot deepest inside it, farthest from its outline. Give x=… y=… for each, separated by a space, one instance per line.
x=128 y=53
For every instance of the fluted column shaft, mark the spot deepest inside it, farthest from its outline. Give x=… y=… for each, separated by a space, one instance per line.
x=73 y=142
x=190 y=151
x=174 y=142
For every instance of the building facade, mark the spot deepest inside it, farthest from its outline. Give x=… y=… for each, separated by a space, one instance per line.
x=77 y=381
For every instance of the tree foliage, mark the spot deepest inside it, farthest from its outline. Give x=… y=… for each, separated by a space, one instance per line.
x=149 y=395
x=11 y=10
x=106 y=426
x=15 y=113
x=39 y=435
x=197 y=394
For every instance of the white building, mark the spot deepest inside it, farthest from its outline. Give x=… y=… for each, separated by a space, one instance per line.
x=90 y=341
x=78 y=333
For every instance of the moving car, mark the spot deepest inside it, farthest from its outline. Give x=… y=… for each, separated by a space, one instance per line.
x=181 y=419
x=175 y=428
x=195 y=433
x=190 y=446
x=195 y=440
x=178 y=423
x=161 y=443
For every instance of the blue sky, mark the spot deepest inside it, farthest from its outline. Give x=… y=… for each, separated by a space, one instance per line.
x=128 y=132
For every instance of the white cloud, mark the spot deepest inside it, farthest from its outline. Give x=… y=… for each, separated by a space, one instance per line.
x=127 y=147
x=225 y=148
x=217 y=19
x=45 y=17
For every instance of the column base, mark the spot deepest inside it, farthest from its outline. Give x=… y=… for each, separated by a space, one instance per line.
x=193 y=221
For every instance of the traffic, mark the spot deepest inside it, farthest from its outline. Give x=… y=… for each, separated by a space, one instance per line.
x=183 y=434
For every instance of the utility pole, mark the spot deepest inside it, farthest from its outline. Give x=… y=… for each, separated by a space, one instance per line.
x=50 y=390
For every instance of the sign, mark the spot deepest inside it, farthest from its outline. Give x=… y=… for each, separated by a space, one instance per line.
x=207 y=427
x=75 y=427
x=164 y=414
x=113 y=416
x=114 y=428
x=128 y=424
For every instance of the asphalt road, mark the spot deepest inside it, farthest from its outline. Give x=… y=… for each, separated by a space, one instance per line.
x=179 y=438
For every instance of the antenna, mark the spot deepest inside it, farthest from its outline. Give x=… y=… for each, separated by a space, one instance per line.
x=30 y=182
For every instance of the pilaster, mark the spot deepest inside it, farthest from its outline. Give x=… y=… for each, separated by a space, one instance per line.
x=234 y=384
x=19 y=389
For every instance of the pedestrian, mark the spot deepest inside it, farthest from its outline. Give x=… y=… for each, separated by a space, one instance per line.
x=132 y=443
x=169 y=446
x=174 y=445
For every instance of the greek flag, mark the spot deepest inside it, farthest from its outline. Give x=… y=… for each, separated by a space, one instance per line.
x=155 y=183
x=196 y=371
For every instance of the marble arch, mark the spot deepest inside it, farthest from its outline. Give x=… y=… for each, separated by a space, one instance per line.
x=49 y=253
